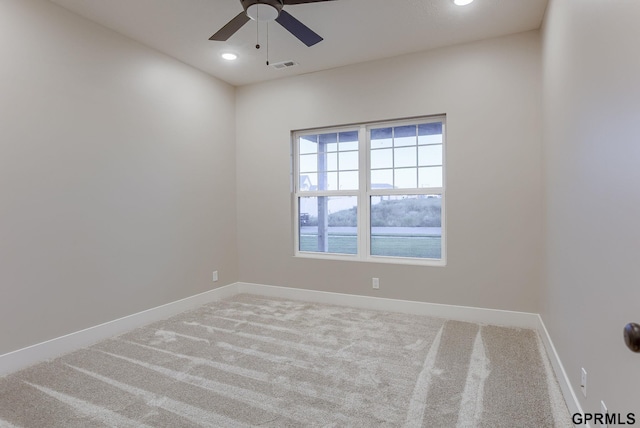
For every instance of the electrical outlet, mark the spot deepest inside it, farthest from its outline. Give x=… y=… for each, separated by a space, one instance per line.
x=376 y=283
x=583 y=381
x=215 y=276
x=603 y=410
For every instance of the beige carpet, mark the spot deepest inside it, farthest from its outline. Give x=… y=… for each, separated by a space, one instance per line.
x=255 y=361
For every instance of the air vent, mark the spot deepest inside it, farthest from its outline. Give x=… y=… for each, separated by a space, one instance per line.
x=284 y=64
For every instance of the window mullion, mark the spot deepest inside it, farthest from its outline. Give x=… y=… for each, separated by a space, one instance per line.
x=363 y=210
x=296 y=189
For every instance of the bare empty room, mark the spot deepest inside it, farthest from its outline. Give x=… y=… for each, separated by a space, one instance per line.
x=319 y=213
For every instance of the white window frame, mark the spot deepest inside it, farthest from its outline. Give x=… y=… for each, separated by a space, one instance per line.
x=364 y=193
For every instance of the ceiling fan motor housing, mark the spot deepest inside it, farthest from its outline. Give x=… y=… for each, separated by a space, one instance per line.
x=270 y=10
x=262 y=10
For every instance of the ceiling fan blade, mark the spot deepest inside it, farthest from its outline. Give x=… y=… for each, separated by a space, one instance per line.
x=288 y=2
x=298 y=29
x=232 y=26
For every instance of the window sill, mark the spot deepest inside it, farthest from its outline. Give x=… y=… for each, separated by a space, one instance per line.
x=373 y=259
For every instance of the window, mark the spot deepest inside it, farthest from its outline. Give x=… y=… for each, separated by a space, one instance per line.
x=371 y=192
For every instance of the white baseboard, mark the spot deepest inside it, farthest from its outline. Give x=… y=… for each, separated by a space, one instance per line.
x=22 y=358
x=565 y=385
x=452 y=312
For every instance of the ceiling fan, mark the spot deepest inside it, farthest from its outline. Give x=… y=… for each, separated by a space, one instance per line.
x=269 y=10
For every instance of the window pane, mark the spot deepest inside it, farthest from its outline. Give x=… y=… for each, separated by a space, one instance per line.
x=348 y=180
x=319 y=181
x=327 y=181
x=348 y=160
x=328 y=224
x=308 y=182
x=328 y=142
x=405 y=156
x=404 y=136
x=308 y=163
x=308 y=144
x=381 y=138
x=381 y=158
x=382 y=179
x=430 y=133
x=351 y=145
x=430 y=177
x=405 y=178
x=318 y=162
x=331 y=182
x=348 y=140
x=430 y=155
x=406 y=226
x=332 y=161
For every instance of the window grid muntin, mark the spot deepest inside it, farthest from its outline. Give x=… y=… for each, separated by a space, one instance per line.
x=365 y=192
x=394 y=147
x=330 y=148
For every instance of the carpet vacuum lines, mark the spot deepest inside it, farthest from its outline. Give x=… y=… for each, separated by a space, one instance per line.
x=252 y=360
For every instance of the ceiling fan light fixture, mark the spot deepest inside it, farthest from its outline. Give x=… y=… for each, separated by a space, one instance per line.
x=262 y=12
x=265 y=10
x=462 y=2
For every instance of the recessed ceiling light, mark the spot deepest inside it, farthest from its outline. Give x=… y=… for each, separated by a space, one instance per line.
x=462 y=2
x=229 y=56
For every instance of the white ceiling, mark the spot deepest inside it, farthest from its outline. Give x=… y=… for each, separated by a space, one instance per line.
x=354 y=30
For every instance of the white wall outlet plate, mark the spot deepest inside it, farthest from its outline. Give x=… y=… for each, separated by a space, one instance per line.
x=376 y=283
x=215 y=276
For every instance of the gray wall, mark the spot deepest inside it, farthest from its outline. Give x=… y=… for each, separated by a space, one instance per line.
x=491 y=93
x=117 y=179
x=592 y=173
